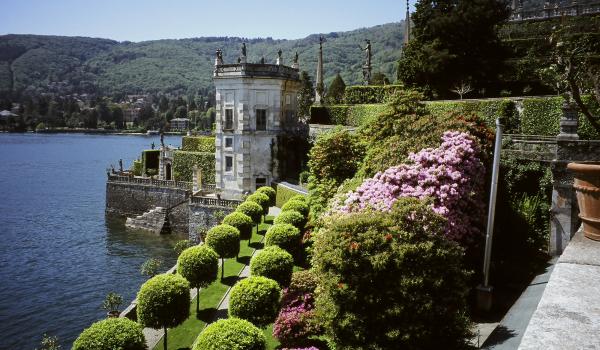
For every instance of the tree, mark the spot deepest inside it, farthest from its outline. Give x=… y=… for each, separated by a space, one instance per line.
x=49 y=343
x=462 y=89
x=231 y=333
x=291 y=217
x=111 y=304
x=117 y=117
x=297 y=205
x=110 y=334
x=380 y=79
x=270 y=192
x=306 y=95
x=260 y=199
x=181 y=112
x=225 y=241
x=163 y=302
x=253 y=210
x=150 y=267
x=240 y=221
x=199 y=265
x=255 y=299
x=274 y=263
x=335 y=93
x=453 y=40
x=285 y=236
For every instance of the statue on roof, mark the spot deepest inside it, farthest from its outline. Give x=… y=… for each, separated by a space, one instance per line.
x=243 y=49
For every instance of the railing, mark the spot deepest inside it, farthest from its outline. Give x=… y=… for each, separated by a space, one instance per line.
x=154 y=182
x=217 y=202
x=555 y=11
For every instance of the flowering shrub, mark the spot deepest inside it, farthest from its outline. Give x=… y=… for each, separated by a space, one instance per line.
x=452 y=175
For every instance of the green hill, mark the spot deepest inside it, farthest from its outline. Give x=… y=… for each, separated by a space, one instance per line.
x=88 y=65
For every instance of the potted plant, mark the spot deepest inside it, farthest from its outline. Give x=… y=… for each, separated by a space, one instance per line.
x=111 y=304
x=587 y=187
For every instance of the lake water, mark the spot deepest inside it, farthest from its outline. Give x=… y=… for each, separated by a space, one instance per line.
x=59 y=256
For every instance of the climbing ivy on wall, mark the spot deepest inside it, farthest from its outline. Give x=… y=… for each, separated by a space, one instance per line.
x=198 y=144
x=184 y=162
x=150 y=161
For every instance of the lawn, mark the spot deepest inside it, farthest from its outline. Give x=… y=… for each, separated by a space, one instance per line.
x=183 y=336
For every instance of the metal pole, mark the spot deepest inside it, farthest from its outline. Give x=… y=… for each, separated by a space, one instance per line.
x=492 y=204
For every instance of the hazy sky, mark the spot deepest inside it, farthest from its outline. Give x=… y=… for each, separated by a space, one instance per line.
x=138 y=20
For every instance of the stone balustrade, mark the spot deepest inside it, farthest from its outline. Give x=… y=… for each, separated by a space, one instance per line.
x=149 y=181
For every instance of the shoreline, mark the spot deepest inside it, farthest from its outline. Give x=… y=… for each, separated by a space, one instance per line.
x=93 y=131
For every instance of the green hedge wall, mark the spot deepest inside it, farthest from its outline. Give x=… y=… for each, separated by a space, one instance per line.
x=150 y=160
x=198 y=144
x=284 y=194
x=487 y=110
x=349 y=115
x=369 y=94
x=184 y=161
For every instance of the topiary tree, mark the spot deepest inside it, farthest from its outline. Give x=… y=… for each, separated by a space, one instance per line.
x=253 y=210
x=240 y=221
x=291 y=217
x=299 y=197
x=391 y=280
x=262 y=200
x=231 y=334
x=181 y=245
x=110 y=334
x=285 y=236
x=255 y=299
x=163 y=302
x=274 y=263
x=199 y=265
x=150 y=267
x=270 y=192
x=225 y=241
x=296 y=205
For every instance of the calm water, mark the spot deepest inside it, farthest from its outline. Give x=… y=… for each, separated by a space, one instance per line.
x=59 y=257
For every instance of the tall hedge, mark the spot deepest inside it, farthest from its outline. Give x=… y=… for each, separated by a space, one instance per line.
x=349 y=115
x=231 y=334
x=110 y=334
x=198 y=144
x=360 y=94
x=184 y=162
x=487 y=110
x=150 y=160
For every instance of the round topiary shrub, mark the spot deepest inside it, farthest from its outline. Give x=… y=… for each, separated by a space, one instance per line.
x=252 y=209
x=291 y=217
x=296 y=205
x=163 y=302
x=225 y=241
x=285 y=236
x=112 y=333
x=240 y=221
x=270 y=192
x=199 y=265
x=255 y=299
x=274 y=263
x=231 y=334
x=299 y=197
x=260 y=199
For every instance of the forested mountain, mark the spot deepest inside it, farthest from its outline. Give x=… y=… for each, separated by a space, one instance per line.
x=35 y=64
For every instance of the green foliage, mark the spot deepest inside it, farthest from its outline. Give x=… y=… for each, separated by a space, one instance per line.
x=181 y=245
x=198 y=265
x=304 y=281
x=348 y=115
x=163 y=301
x=150 y=267
x=299 y=206
x=270 y=192
x=184 y=162
x=224 y=240
x=306 y=95
x=284 y=194
x=260 y=199
x=486 y=110
x=255 y=299
x=205 y=144
x=291 y=217
x=240 y=221
x=150 y=161
x=541 y=116
x=136 y=168
x=274 y=263
x=231 y=334
x=112 y=302
x=300 y=198
x=49 y=343
x=360 y=94
x=111 y=334
x=252 y=209
x=380 y=79
x=387 y=281
x=335 y=93
x=285 y=236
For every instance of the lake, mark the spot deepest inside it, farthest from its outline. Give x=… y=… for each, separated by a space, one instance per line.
x=59 y=255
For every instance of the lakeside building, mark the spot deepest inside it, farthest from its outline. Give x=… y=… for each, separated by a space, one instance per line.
x=180 y=124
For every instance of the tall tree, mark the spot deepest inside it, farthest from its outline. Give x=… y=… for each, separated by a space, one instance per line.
x=306 y=97
x=453 y=41
x=335 y=94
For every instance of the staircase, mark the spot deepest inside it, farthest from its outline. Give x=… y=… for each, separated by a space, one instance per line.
x=155 y=220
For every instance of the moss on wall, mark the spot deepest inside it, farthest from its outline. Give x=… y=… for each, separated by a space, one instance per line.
x=184 y=162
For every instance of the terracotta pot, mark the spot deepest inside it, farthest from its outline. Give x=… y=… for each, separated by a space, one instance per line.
x=587 y=186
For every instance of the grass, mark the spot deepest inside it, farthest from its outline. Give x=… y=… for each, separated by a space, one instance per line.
x=183 y=336
x=272 y=343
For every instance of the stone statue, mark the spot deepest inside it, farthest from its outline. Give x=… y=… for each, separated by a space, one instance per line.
x=368 y=54
x=152 y=145
x=121 y=165
x=219 y=58
x=296 y=57
x=262 y=60
x=279 y=57
x=243 y=49
x=321 y=41
x=162 y=139
x=239 y=60
x=279 y=53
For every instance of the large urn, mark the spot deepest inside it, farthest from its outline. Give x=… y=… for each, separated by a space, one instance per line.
x=587 y=186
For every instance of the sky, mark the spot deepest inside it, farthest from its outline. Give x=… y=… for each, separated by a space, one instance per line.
x=139 y=20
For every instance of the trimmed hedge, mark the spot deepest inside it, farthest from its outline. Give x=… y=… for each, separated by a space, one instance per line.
x=291 y=217
x=300 y=197
x=110 y=334
x=224 y=240
x=274 y=263
x=349 y=115
x=198 y=265
x=198 y=144
x=360 y=94
x=487 y=110
x=240 y=221
x=260 y=199
x=163 y=301
x=297 y=205
x=270 y=192
x=136 y=168
x=231 y=334
x=252 y=209
x=184 y=161
x=284 y=194
x=255 y=299
x=285 y=236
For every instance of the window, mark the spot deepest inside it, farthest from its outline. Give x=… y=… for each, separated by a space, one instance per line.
x=228 y=142
x=260 y=182
x=261 y=119
x=228 y=119
x=228 y=164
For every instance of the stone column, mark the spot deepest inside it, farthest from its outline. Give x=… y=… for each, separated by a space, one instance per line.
x=320 y=86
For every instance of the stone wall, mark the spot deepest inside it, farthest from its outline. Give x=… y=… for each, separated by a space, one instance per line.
x=203 y=216
x=132 y=199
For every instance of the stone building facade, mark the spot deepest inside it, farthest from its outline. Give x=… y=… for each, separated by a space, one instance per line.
x=255 y=104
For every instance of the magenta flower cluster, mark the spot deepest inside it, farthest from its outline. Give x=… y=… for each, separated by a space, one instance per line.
x=452 y=175
x=293 y=324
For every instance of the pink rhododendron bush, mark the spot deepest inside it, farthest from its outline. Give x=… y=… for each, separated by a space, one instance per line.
x=452 y=175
